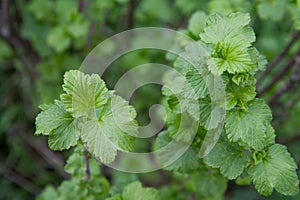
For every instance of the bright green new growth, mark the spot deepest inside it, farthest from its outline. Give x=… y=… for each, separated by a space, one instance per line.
x=83 y=93
x=247 y=145
x=78 y=187
x=247 y=123
x=243 y=147
x=89 y=112
x=275 y=170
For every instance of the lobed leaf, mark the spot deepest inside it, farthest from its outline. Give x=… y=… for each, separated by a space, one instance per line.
x=108 y=133
x=83 y=93
x=61 y=127
x=230 y=158
x=277 y=170
x=248 y=126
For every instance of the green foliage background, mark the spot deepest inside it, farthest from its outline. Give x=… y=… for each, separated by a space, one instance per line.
x=40 y=40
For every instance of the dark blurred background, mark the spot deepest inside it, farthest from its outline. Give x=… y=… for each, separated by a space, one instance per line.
x=41 y=39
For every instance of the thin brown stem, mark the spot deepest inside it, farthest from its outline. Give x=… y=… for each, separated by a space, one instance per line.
x=278 y=58
x=292 y=102
x=289 y=84
x=87 y=164
x=131 y=13
x=4 y=19
x=293 y=139
x=277 y=78
x=81 y=5
x=14 y=177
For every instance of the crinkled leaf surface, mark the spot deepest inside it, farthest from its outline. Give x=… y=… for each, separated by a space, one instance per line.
x=277 y=170
x=230 y=158
x=84 y=93
x=108 y=133
x=61 y=127
x=184 y=164
x=248 y=126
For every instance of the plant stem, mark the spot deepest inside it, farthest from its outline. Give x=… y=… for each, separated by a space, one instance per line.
x=131 y=12
x=87 y=164
x=293 y=139
x=273 y=63
x=277 y=78
x=19 y=180
x=294 y=78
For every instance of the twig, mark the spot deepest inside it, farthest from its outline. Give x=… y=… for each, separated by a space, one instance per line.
x=23 y=50
x=104 y=31
x=20 y=130
x=293 y=139
x=53 y=159
x=4 y=20
x=273 y=63
x=19 y=180
x=294 y=78
x=292 y=102
x=131 y=13
x=277 y=78
x=13 y=37
x=87 y=165
x=81 y=5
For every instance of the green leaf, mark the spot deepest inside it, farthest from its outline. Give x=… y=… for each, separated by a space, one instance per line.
x=239 y=95
x=207 y=184
x=231 y=59
x=181 y=92
x=194 y=56
x=116 y=197
x=59 y=39
x=197 y=23
x=84 y=93
x=182 y=127
x=295 y=15
x=231 y=37
x=65 y=15
x=197 y=83
x=79 y=188
x=188 y=8
x=184 y=164
x=248 y=125
x=232 y=30
x=76 y=164
x=137 y=192
x=78 y=27
x=211 y=138
x=41 y=9
x=211 y=114
x=243 y=79
x=270 y=135
x=5 y=50
x=244 y=179
x=231 y=159
x=109 y=133
x=52 y=116
x=56 y=122
x=277 y=170
x=227 y=7
x=48 y=193
x=259 y=60
x=273 y=10
x=64 y=136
